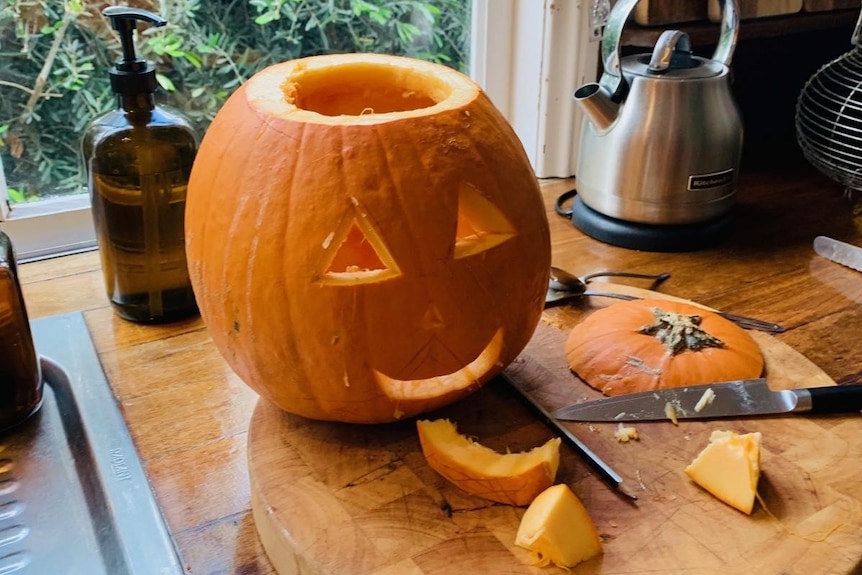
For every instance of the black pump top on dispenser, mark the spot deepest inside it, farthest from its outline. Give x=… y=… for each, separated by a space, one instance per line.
x=131 y=75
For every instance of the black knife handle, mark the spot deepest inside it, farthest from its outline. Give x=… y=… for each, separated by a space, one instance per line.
x=836 y=399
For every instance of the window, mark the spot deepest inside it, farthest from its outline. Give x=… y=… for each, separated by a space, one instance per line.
x=530 y=57
x=213 y=46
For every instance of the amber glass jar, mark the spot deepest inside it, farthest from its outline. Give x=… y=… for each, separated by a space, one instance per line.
x=20 y=374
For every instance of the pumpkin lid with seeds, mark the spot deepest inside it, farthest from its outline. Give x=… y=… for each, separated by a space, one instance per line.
x=649 y=344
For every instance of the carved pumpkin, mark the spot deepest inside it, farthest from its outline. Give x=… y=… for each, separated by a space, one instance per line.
x=366 y=238
x=650 y=344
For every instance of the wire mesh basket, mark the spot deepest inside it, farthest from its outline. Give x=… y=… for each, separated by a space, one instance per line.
x=829 y=117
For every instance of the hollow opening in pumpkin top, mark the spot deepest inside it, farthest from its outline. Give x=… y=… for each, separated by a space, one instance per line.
x=364 y=88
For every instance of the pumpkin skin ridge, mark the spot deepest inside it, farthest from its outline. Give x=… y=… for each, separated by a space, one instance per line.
x=261 y=204
x=538 y=299
x=590 y=357
x=245 y=201
x=398 y=192
x=252 y=272
x=289 y=351
x=299 y=371
x=211 y=213
x=504 y=130
x=454 y=118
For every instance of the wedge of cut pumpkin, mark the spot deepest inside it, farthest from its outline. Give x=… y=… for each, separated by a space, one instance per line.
x=558 y=529
x=510 y=478
x=729 y=468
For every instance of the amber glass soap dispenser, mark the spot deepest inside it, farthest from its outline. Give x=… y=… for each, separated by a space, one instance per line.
x=138 y=160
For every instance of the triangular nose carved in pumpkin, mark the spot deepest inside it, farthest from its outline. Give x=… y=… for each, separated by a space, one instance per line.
x=432 y=319
x=354 y=253
x=434 y=354
x=481 y=225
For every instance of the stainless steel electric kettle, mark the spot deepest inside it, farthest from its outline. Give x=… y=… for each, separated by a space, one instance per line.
x=662 y=138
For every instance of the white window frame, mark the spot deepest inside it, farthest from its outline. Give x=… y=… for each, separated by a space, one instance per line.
x=49 y=227
x=528 y=55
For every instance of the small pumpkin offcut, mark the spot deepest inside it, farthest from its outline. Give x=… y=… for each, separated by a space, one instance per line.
x=649 y=344
x=366 y=237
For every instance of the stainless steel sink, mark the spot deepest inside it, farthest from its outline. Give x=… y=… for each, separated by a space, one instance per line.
x=74 y=497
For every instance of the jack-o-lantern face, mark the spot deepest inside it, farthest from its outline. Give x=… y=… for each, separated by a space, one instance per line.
x=365 y=266
x=427 y=357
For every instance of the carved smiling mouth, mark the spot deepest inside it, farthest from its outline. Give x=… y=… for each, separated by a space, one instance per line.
x=434 y=387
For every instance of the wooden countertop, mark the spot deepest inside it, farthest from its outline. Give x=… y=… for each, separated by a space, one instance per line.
x=189 y=414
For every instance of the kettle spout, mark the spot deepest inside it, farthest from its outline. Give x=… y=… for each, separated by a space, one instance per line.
x=597 y=105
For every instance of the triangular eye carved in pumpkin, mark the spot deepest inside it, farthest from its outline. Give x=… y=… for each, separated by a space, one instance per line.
x=481 y=224
x=354 y=253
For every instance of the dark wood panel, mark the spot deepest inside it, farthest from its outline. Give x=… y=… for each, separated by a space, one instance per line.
x=705 y=33
x=658 y=12
x=820 y=5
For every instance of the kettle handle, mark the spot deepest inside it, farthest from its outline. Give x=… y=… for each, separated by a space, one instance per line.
x=729 y=33
x=612 y=77
x=857 y=31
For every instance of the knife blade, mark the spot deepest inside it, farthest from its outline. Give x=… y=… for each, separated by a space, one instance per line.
x=603 y=469
x=839 y=252
x=739 y=398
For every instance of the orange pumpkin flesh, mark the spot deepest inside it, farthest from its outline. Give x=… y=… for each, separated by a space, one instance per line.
x=511 y=478
x=366 y=238
x=608 y=351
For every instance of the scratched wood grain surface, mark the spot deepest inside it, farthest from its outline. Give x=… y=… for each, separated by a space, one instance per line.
x=332 y=499
x=189 y=415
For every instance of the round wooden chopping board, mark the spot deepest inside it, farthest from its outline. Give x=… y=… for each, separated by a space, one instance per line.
x=342 y=499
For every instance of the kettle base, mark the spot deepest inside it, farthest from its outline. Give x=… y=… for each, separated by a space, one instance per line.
x=649 y=237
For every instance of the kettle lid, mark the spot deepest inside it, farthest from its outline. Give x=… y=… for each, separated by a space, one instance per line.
x=672 y=59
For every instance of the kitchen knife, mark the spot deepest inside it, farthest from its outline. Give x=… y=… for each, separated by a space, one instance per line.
x=741 y=398
x=839 y=252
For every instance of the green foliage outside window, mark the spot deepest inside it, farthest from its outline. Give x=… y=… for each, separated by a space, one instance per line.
x=55 y=56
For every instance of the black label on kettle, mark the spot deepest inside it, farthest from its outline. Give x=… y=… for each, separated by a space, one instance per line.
x=713 y=180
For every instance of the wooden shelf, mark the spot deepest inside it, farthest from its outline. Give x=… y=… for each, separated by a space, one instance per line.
x=706 y=33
